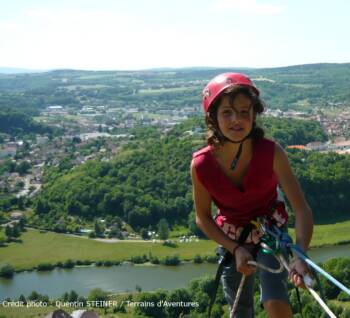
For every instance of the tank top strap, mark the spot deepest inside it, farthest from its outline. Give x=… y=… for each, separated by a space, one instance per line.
x=264 y=155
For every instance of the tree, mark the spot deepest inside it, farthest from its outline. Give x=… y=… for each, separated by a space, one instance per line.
x=163 y=229
x=144 y=234
x=16 y=231
x=34 y=296
x=23 y=167
x=73 y=296
x=22 y=222
x=65 y=296
x=9 y=231
x=178 y=295
x=99 y=229
x=97 y=294
x=41 y=206
x=22 y=299
x=192 y=225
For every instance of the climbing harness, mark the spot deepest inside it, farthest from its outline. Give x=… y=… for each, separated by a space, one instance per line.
x=275 y=241
x=279 y=241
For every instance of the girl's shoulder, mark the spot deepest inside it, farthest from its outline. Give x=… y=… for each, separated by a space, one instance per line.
x=203 y=152
x=266 y=141
x=265 y=145
x=201 y=158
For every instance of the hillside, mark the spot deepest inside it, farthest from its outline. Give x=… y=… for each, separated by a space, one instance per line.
x=149 y=180
x=295 y=87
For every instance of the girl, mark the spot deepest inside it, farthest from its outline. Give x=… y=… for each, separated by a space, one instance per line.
x=240 y=171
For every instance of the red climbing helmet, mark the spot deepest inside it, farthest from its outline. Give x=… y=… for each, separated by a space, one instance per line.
x=222 y=81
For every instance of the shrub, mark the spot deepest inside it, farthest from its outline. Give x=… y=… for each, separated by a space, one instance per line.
x=139 y=259
x=171 y=260
x=211 y=259
x=45 y=267
x=170 y=244
x=108 y=263
x=68 y=264
x=198 y=259
x=34 y=296
x=6 y=271
x=155 y=260
x=97 y=294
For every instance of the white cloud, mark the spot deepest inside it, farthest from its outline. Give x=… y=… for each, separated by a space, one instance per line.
x=70 y=38
x=249 y=7
x=101 y=39
x=109 y=40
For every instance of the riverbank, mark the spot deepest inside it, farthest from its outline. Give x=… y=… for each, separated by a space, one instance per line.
x=39 y=248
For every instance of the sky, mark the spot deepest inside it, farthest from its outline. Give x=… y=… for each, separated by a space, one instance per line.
x=143 y=34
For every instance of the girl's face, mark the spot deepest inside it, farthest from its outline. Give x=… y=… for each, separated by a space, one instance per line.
x=235 y=120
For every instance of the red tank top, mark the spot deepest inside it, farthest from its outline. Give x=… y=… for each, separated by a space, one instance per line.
x=259 y=189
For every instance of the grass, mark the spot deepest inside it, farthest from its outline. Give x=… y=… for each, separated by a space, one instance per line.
x=344 y=304
x=52 y=247
x=329 y=234
x=167 y=90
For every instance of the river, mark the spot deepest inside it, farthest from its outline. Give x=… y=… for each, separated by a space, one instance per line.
x=123 y=278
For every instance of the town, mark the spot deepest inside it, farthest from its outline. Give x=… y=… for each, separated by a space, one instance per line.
x=112 y=125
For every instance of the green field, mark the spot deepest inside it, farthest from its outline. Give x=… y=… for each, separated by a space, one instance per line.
x=52 y=247
x=167 y=90
x=329 y=234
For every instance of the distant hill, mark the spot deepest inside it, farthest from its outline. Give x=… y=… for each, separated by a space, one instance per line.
x=300 y=87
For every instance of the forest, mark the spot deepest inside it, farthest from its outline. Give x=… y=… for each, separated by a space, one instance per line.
x=149 y=179
x=18 y=124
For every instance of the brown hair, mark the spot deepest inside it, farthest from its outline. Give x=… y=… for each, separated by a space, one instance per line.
x=214 y=135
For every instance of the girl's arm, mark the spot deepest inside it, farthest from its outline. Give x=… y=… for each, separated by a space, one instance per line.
x=291 y=187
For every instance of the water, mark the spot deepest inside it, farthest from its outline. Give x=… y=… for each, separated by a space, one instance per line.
x=113 y=279
x=123 y=278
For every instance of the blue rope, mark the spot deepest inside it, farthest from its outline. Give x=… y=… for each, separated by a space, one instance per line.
x=286 y=242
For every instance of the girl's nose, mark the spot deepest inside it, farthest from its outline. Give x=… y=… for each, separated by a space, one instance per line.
x=234 y=115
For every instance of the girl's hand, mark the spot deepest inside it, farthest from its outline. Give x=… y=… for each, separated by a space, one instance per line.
x=242 y=257
x=298 y=269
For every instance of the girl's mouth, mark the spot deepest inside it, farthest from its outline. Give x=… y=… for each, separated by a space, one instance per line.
x=236 y=128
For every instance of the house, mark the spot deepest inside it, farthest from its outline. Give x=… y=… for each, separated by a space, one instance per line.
x=16 y=215
x=301 y=147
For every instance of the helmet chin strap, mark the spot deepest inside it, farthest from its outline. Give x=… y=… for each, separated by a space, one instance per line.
x=239 y=152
